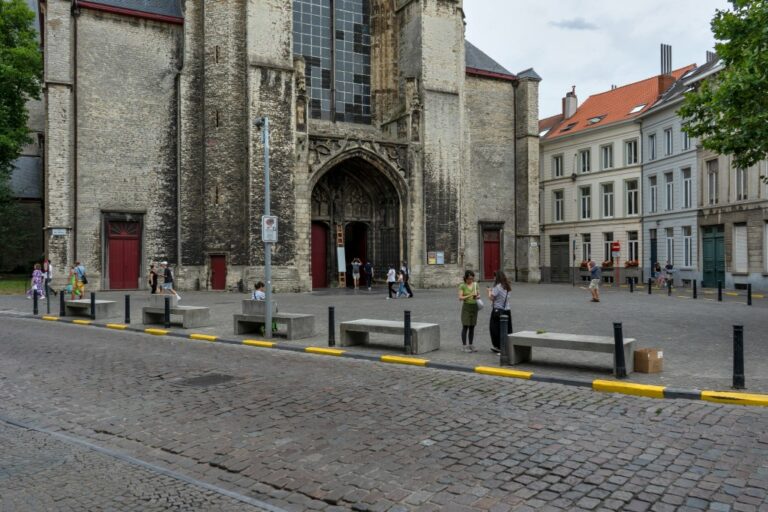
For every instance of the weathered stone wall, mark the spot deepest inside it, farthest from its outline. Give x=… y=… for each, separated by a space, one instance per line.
x=126 y=132
x=490 y=197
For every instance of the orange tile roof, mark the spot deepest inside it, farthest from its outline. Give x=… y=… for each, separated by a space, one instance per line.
x=613 y=106
x=549 y=122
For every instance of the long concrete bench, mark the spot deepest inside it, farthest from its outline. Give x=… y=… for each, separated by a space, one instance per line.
x=521 y=344
x=191 y=316
x=424 y=337
x=297 y=325
x=82 y=307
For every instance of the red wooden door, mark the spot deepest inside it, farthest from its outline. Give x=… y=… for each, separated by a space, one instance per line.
x=124 y=253
x=319 y=255
x=491 y=253
x=218 y=272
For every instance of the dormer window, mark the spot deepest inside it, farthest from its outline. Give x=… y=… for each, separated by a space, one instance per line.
x=595 y=120
x=568 y=128
x=637 y=109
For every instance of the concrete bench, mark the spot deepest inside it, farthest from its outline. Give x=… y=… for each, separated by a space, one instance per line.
x=424 y=337
x=191 y=316
x=297 y=325
x=82 y=307
x=520 y=345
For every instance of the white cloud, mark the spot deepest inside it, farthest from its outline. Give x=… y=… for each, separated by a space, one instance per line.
x=574 y=24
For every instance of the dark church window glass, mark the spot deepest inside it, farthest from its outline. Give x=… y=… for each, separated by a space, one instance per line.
x=334 y=38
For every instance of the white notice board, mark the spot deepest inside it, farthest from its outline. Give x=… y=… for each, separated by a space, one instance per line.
x=342 y=259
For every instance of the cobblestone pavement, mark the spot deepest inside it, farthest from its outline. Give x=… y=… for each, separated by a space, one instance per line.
x=304 y=432
x=38 y=472
x=694 y=335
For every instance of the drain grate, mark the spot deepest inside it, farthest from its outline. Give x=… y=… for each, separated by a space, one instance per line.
x=204 y=381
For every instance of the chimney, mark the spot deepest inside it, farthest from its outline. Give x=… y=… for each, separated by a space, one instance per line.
x=570 y=103
x=666 y=80
x=711 y=56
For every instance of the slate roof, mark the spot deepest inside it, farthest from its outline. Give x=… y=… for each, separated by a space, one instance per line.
x=681 y=86
x=476 y=59
x=162 y=7
x=614 y=106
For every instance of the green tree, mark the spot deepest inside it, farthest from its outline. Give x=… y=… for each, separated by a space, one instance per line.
x=729 y=111
x=21 y=68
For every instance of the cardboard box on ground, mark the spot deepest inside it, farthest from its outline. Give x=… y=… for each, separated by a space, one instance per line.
x=649 y=360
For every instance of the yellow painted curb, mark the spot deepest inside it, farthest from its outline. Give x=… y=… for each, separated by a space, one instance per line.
x=758 y=296
x=732 y=294
x=724 y=397
x=502 y=372
x=413 y=361
x=628 y=388
x=51 y=318
x=203 y=337
x=119 y=327
x=81 y=322
x=156 y=332
x=325 y=351
x=257 y=343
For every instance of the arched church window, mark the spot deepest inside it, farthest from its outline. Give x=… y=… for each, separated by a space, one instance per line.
x=320 y=202
x=358 y=203
x=335 y=40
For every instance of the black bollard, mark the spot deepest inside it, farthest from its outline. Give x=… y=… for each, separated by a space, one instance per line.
x=503 y=341
x=93 y=306
x=631 y=285
x=695 y=291
x=34 y=302
x=719 y=291
x=407 y=332
x=331 y=326
x=738 y=357
x=47 y=299
x=669 y=287
x=650 y=283
x=127 y=309
x=620 y=369
x=167 y=313
x=749 y=294
x=62 y=310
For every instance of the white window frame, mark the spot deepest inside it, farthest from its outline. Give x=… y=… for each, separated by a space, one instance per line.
x=606 y=157
x=670 y=244
x=633 y=245
x=607 y=239
x=631 y=156
x=557 y=166
x=740 y=237
x=585 y=202
x=712 y=185
x=652 y=146
x=669 y=189
x=559 y=205
x=653 y=195
x=632 y=198
x=586 y=246
x=607 y=202
x=687 y=188
x=688 y=246
x=585 y=161
x=742 y=184
x=668 y=142
x=686 y=140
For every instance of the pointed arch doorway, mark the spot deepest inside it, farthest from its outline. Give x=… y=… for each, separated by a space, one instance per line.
x=355 y=197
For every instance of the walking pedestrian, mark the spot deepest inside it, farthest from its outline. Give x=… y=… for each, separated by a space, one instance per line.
x=152 y=279
x=356 y=264
x=499 y=296
x=401 y=292
x=80 y=279
x=595 y=273
x=168 y=280
x=368 y=269
x=390 y=281
x=468 y=296
x=37 y=285
x=406 y=279
x=48 y=276
x=71 y=288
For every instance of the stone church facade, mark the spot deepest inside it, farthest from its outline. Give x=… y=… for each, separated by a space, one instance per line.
x=390 y=136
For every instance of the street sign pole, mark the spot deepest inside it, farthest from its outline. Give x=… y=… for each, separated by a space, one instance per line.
x=267 y=245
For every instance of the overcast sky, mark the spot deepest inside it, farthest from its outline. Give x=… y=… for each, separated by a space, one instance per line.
x=591 y=44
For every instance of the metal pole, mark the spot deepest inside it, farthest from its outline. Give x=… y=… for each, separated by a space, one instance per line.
x=503 y=340
x=127 y=309
x=749 y=294
x=47 y=298
x=34 y=302
x=650 y=283
x=267 y=245
x=331 y=326
x=62 y=309
x=93 y=306
x=631 y=285
x=695 y=291
x=738 y=357
x=669 y=287
x=407 y=332
x=167 y=313
x=618 y=351
x=719 y=291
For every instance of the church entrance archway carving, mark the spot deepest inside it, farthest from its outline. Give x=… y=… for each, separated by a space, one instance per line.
x=355 y=198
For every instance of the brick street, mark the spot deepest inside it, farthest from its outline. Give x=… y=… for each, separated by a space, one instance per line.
x=305 y=432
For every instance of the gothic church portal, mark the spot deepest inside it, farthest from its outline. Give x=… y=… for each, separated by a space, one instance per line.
x=391 y=136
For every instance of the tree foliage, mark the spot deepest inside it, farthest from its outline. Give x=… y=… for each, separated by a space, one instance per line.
x=729 y=111
x=21 y=69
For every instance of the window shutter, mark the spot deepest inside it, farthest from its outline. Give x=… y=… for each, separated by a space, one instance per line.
x=740 y=259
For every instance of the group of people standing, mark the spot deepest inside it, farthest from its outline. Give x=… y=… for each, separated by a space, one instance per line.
x=42 y=275
x=167 y=273
x=498 y=295
x=398 y=281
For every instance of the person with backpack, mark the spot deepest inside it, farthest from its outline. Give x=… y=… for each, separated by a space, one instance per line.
x=499 y=297
x=80 y=279
x=368 y=269
x=168 y=280
x=406 y=279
